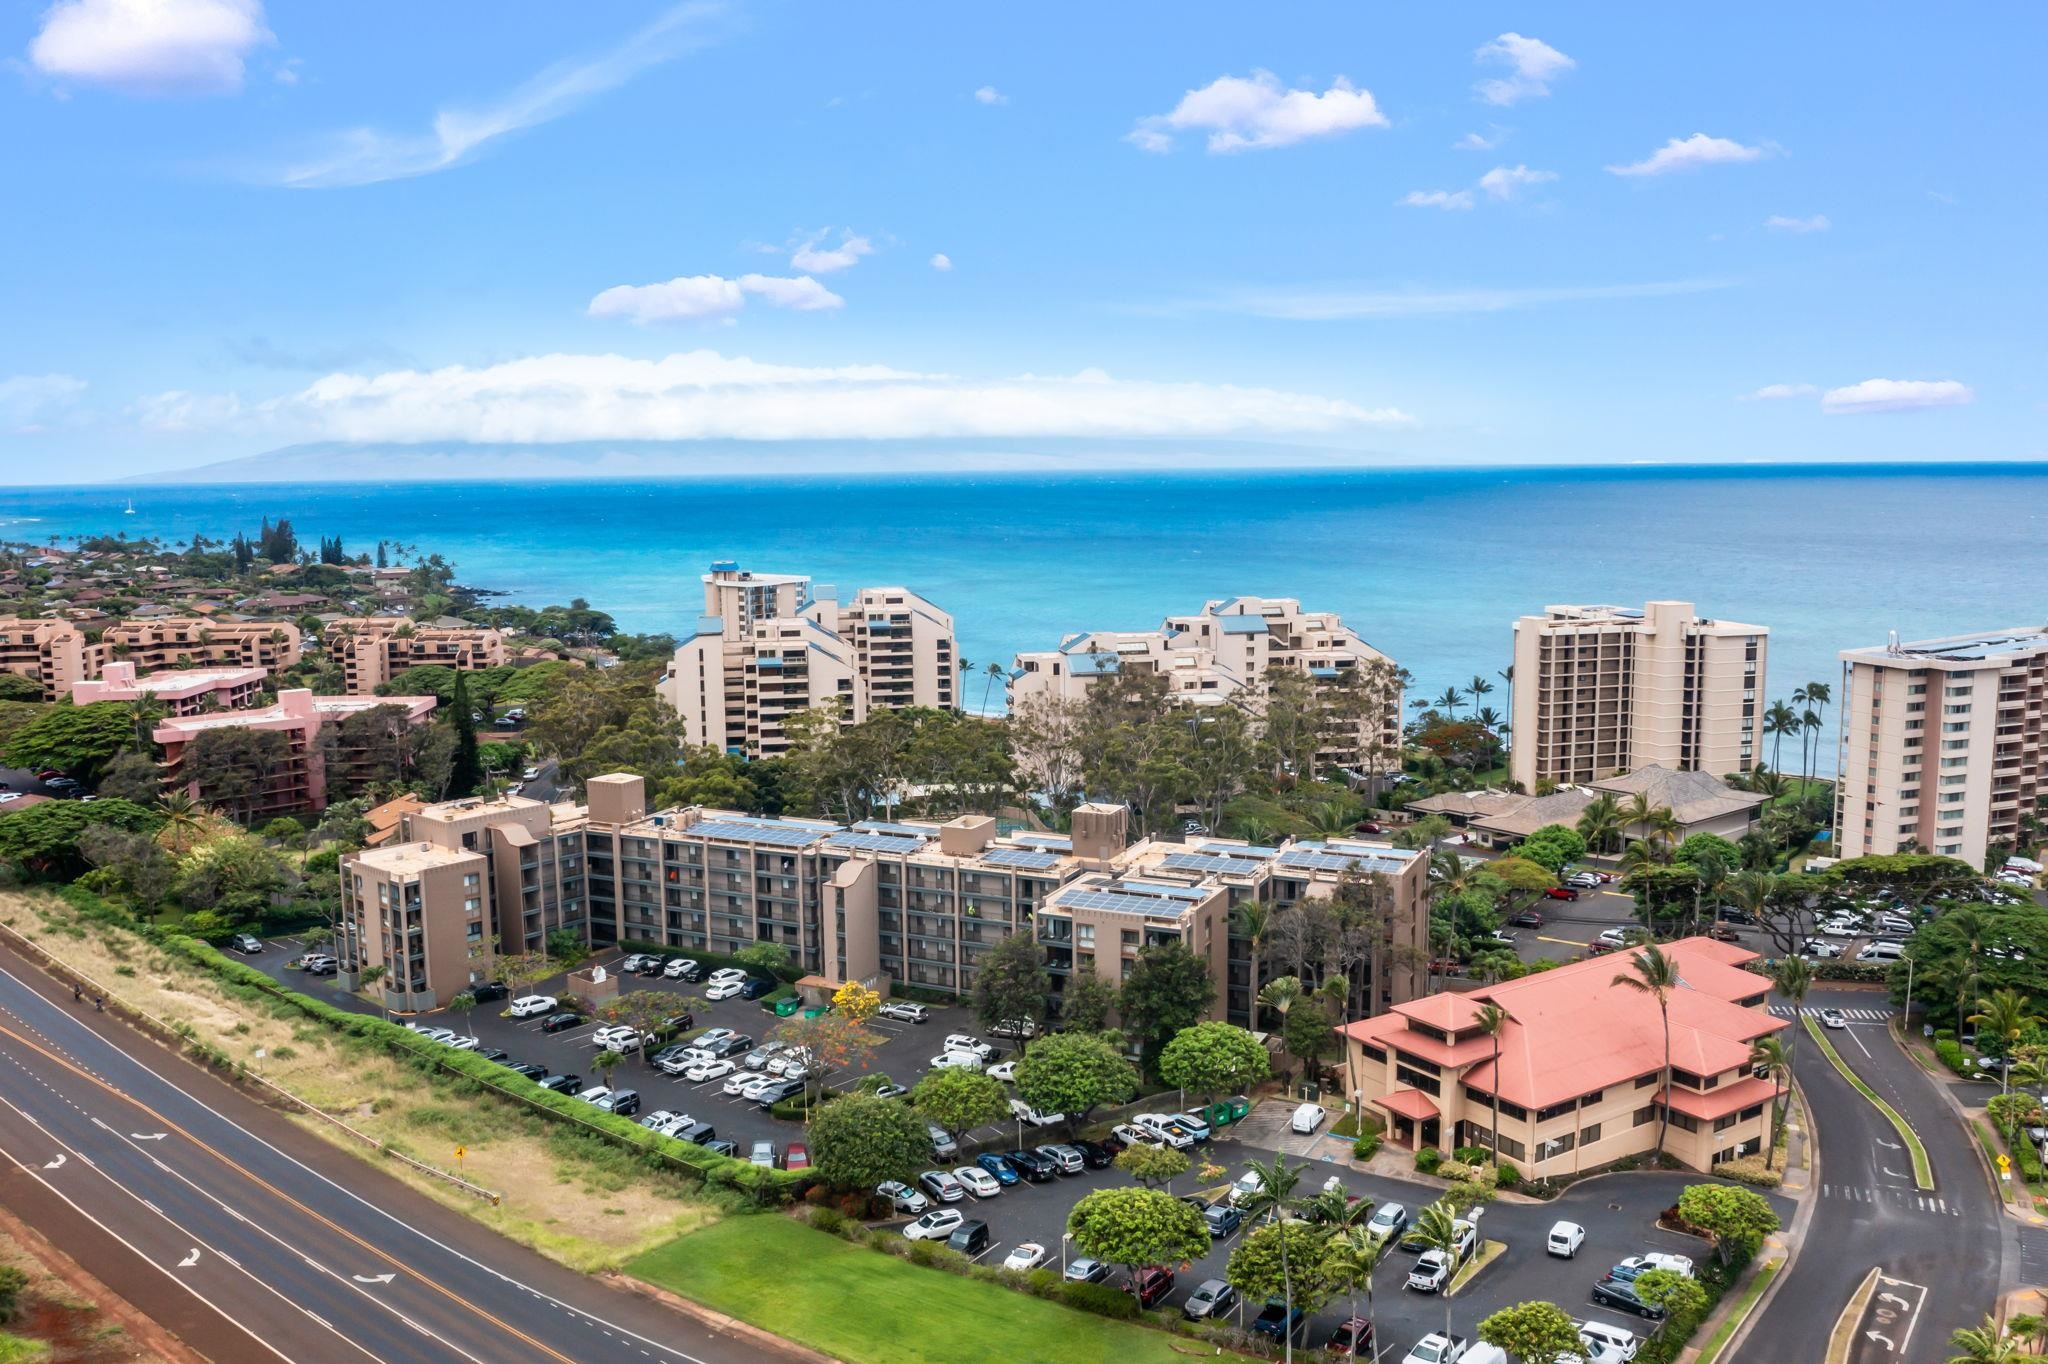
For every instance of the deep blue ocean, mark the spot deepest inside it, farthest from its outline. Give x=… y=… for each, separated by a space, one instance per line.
x=1431 y=565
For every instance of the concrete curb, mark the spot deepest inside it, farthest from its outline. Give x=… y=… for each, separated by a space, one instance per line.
x=1843 y=1338
x=1793 y=1240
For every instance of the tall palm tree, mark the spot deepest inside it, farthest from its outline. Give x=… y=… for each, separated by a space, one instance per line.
x=1983 y=1344
x=370 y=978
x=1779 y=721
x=1450 y=701
x=1478 y=687
x=1273 y=1200
x=1652 y=973
x=1281 y=994
x=1642 y=853
x=1818 y=695
x=1600 y=821
x=1250 y=921
x=1353 y=1255
x=1493 y=1020
x=1792 y=976
x=993 y=672
x=1436 y=1226
x=1710 y=874
x=1768 y=1060
x=1800 y=711
x=2005 y=1016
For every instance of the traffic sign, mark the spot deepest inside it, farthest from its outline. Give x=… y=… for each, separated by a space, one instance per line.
x=461 y=1151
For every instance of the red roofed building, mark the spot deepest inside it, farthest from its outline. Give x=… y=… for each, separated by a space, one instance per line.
x=1580 y=1078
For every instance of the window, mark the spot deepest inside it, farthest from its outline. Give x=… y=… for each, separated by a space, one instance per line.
x=1556 y=1110
x=1415 y=1079
x=1645 y=1114
x=1589 y=1134
x=1373 y=1053
x=1684 y=1122
x=1645 y=1081
x=470 y=881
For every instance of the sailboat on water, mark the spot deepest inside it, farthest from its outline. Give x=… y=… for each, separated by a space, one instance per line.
x=129 y=510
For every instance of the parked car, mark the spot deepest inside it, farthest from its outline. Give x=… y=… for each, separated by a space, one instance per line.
x=1015 y=1027
x=497 y=1054
x=529 y=1070
x=1150 y=1286
x=622 y=1102
x=935 y=1225
x=1164 y=1129
x=1211 y=1298
x=675 y=968
x=561 y=1084
x=1620 y=937
x=1621 y=1294
x=248 y=944
x=978 y=1181
x=902 y=1198
x=721 y=989
x=1064 y=1158
x=1024 y=1112
x=705 y=1135
x=708 y=1070
x=1222 y=1220
x=903 y=1011
x=796 y=1156
x=1307 y=1118
x=1032 y=1166
x=1195 y=1123
x=1432 y=1271
x=1353 y=1337
x=1724 y=932
x=759 y=1057
x=1279 y=1320
x=616 y=1037
x=1436 y=1348
x=532 y=1006
x=956 y=1060
x=1389 y=1219
x=1583 y=880
x=1528 y=918
x=941 y=1187
x=1246 y=1185
x=1565 y=1240
x=1094 y=1154
x=561 y=1022
x=1607 y=1344
x=1024 y=1255
x=776 y=1091
x=488 y=992
x=1130 y=1134
x=1085 y=1270
x=943 y=1145
x=969 y=1238
x=1006 y=1071
x=762 y=1154
x=753 y=987
x=327 y=966
x=1636 y=1265
x=997 y=1167
x=1882 y=951
x=1820 y=949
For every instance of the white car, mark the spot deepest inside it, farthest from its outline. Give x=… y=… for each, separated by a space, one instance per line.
x=1821 y=949
x=1436 y=1348
x=464 y=1043
x=979 y=1182
x=1840 y=928
x=596 y=1094
x=530 y=774
x=1025 y=1112
x=1565 y=1240
x=1607 y=1344
x=903 y=1011
x=708 y=1070
x=1247 y=1185
x=1005 y=1071
x=9 y=797
x=960 y=1041
x=758 y=1086
x=1307 y=1118
x=935 y=1225
x=738 y=1081
x=902 y=1198
x=532 y=1006
x=1131 y=1135
x=1655 y=1259
x=1164 y=1129
x=1833 y=1018
x=731 y=973
x=1432 y=1271
x=1882 y=951
x=956 y=1060
x=724 y=989
x=618 y=1037
x=1028 y=1255
x=1387 y=1220
x=677 y=969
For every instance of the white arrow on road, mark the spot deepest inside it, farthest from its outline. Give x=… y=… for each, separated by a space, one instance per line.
x=1896 y=1301
x=1884 y=1340
x=58 y=1163
x=190 y=1260
x=1889 y=1145
x=147 y=1136
x=373 y=1278
x=1893 y=1173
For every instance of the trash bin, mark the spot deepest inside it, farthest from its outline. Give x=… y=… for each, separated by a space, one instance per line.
x=1239 y=1106
x=784 y=1008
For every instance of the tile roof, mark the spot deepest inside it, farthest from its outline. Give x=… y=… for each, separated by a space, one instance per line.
x=1719 y=1103
x=1409 y=1103
x=1693 y=797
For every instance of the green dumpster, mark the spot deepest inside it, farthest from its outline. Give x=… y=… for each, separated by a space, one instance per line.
x=1239 y=1106
x=785 y=1007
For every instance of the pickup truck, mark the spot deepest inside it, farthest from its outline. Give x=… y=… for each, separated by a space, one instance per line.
x=1431 y=1272
x=1279 y=1321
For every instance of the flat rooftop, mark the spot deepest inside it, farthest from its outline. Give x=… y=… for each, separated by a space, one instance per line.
x=1987 y=646
x=412 y=857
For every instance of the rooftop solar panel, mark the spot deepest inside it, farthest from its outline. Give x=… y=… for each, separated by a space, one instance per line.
x=881 y=843
x=1057 y=841
x=774 y=835
x=881 y=826
x=1115 y=902
x=1210 y=862
x=1170 y=891
x=1326 y=861
x=1022 y=858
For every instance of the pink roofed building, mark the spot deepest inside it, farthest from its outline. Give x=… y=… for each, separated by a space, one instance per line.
x=1579 y=1080
x=180 y=691
x=301 y=782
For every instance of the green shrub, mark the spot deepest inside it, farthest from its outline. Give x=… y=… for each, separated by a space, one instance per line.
x=1507 y=1176
x=1951 y=1054
x=1366 y=1147
x=1043 y=1283
x=1100 y=1299
x=12 y=1282
x=1470 y=1155
x=1428 y=1159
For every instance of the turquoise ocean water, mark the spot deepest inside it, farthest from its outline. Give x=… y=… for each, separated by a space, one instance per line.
x=1431 y=565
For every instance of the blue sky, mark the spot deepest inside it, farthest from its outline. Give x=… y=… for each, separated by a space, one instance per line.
x=1472 y=233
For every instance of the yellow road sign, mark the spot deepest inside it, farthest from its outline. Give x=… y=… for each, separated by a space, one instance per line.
x=461 y=1151
x=2004 y=1162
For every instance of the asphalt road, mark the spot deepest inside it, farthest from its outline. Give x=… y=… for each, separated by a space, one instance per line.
x=1954 y=1243
x=276 y=1244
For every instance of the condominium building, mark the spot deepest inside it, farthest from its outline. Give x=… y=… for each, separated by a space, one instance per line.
x=1580 y=1077
x=1225 y=654
x=769 y=645
x=198 y=642
x=372 y=650
x=1941 y=745
x=181 y=691
x=912 y=903
x=300 y=783
x=1605 y=689
x=50 y=653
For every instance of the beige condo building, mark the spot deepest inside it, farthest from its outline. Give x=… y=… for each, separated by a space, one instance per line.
x=195 y=641
x=50 y=653
x=769 y=645
x=1225 y=654
x=374 y=649
x=1941 y=745
x=1600 y=690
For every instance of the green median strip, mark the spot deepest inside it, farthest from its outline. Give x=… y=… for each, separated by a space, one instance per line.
x=1923 y=1169
x=1710 y=1353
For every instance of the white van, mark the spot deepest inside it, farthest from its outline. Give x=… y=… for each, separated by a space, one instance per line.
x=1608 y=1344
x=1882 y=951
x=1482 y=1353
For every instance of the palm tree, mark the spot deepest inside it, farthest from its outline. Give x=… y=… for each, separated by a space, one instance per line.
x=2004 y=1015
x=1649 y=820
x=1478 y=687
x=1493 y=1020
x=463 y=1004
x=1792 y=976
x=1352 y=1257
x=1652 y=973
x=369 y=979
x=1768 y=1060
x=1779 y=721
x=1281 y=994
x=1450 y=701
x=1250 y=921
x=1641 y=853
x=1983 y=1344
x=1600 y=821
x=185 y=822
x=1710 y=873
x=1273 y=1199
x=1818 y=695
x=992 y=672
x=1436 y=1226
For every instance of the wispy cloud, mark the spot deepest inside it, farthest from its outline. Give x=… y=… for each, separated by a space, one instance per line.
x=150 y=47
x=30 y=403
x=1778 y=222
x=1487 y=141
x=1256 y=112
x=988 y=94
x=1690 y=153
x=814 y=257
x=1506 y=183
x=1453 y=199
x=941 y=262
x=1896 y=395
x=1532 y=65
x=695 y=297
x=1773 y=392
x=368 y=156
x=1334 y=304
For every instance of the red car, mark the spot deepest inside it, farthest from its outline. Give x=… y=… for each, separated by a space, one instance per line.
x=1368 y=827
x=1354 y=1337
x=796 y=1157
x=1151 y=1285
x=1562 y=893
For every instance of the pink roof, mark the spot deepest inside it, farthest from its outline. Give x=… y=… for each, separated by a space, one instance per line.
x=1719 y=1103
x=1574 y=1030
x=1409 y=1103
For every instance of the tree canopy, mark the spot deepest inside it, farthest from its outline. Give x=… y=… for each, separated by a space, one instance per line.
x=858 y=1141
x=75 y=739
x=960 y=1100
x=1074 y=1074
x=1212 y=1058
x=1166 y=989
x=1010 y=982
x=43 y=840
x=1133 y=1227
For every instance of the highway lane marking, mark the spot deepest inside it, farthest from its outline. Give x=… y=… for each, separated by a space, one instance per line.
x=343 y=1190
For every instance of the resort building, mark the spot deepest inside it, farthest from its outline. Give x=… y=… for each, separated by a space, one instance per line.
x=1576 y=1078
x=181 y=691
x=1606 y=689
x=50 y=653
x=911 y=903
x=1225 y=654
x=300 y=783
x=199 y=642
x=769 y=645
x=1941 y=744
x=374 y=649
x=1699 y=802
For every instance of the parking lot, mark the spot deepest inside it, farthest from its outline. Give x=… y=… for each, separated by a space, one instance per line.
x=1619 y=1212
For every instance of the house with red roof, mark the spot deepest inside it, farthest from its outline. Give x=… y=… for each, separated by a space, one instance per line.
x=1577 y=1073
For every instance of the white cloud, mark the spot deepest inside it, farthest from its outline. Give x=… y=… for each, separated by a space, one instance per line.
x=1689 y=153
x=368 y=156
x=941 y=261
x=1508 y=182
x=1482 y=142
x=1531 y=62
x=703 y=395
x=1335 y=304
x=30 y=402
x=1895 y=395
x=816 y=258
x=988 y=94
x=1770 y=392
x=1778 y=222
x=150 y=47
x=701 y=296
x=1248 y=114
x=1437 y=198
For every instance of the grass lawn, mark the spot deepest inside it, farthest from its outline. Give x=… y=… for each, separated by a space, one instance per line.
x=862 y=1305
